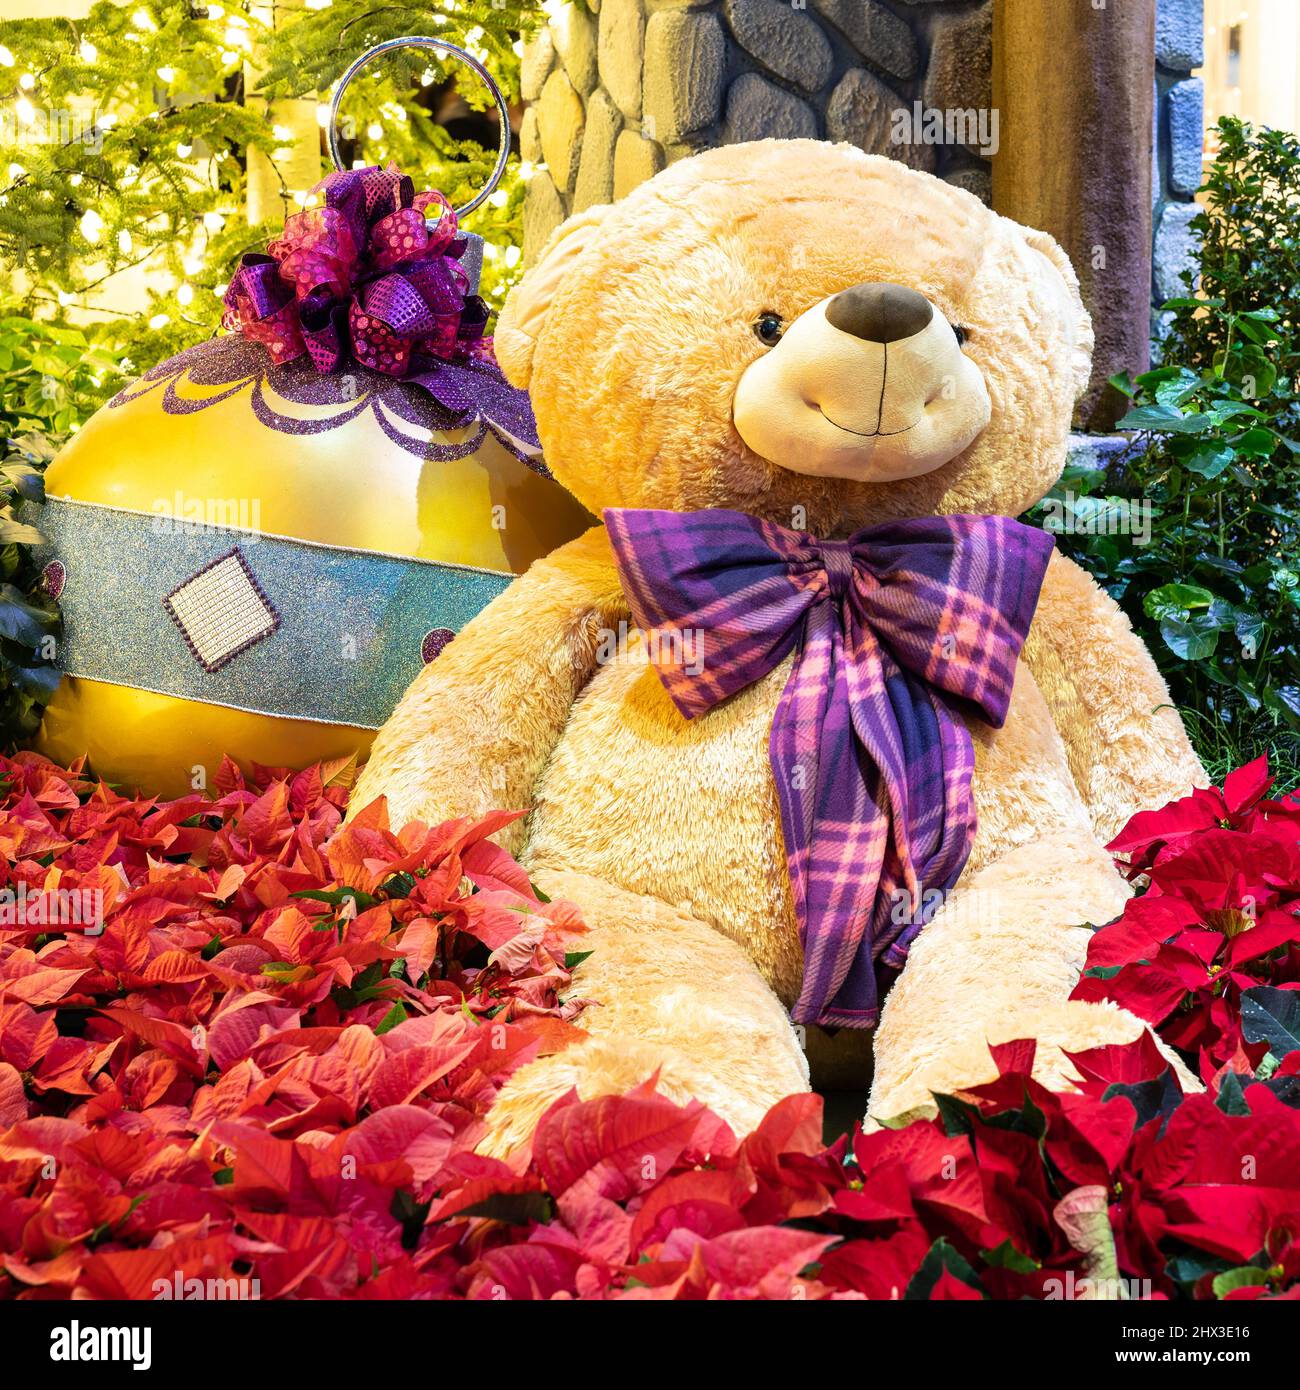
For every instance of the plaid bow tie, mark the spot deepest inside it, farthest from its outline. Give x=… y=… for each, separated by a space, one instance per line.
x=892 y=631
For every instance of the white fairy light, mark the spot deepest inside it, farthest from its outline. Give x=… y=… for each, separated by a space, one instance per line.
x=144 y=21
x=124 y=242
x=92 y=226
x=282 y=132
x=6 y=58
x=375 y=131
x=215 y=11
x=159 y=321
x=168 y=74
x=27 y=81
x=65 y=298
x=322 y=115
x=213 y=221
x=184 y=151
x=75 y=180
x=16 y=171
x=185 y=294
x=512 y=257
x=25 y=110
x=229 y=57
x=193 y=265
x=220 y=290
x=500 y=198
x=89 y=53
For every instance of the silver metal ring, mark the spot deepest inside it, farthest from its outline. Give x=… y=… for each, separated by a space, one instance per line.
x=420 y=41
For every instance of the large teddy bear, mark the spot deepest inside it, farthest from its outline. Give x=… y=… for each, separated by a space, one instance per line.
x=788 y=342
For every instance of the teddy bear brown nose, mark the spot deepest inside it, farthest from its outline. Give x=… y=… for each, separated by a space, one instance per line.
x=880 y=313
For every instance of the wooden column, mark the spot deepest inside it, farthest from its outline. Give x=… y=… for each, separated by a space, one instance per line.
x=1073 y=87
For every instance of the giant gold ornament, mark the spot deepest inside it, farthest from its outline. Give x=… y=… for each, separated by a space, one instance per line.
x=257 y=544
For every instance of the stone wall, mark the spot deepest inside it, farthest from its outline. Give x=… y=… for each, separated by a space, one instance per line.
x=1179 y=139
x=620 y=88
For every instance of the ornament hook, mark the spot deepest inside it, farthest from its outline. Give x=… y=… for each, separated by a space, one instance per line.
x=421 y=41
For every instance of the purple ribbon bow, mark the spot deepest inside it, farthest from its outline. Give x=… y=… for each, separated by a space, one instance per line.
x=893 y=630
x=371 y=274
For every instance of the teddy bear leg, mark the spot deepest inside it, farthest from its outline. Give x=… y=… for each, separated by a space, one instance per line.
x=671 y=995
x=997 y=963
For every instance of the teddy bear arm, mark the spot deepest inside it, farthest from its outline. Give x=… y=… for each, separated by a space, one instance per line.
x=1124 y=741
x=998 y=962
x=477 y=725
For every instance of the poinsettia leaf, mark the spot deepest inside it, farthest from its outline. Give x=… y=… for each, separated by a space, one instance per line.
x=514 y=1208
x=1155 y=1099
x=1272 y=1015
x=1006 y=1256
x=957 y=1116
x=1232 y=1095
x=1244 y=1276
x=941 y=1258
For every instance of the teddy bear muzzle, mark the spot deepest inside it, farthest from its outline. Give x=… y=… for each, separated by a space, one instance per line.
x=870 y=384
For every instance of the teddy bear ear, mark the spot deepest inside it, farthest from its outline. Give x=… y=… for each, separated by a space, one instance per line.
x=524 y=315
x=1075 y=314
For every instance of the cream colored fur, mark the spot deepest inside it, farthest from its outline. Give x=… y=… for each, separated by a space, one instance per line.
x=633 y=334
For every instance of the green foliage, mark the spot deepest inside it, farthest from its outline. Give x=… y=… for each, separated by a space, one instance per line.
x=1216 y=591
x=125 y=140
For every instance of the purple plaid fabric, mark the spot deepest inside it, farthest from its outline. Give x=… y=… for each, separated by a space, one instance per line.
x=894 y=631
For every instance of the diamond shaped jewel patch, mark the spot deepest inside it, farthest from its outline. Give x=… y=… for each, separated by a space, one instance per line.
x=221 y=611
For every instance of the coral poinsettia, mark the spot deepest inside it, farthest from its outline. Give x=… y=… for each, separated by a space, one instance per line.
x=244 y=1043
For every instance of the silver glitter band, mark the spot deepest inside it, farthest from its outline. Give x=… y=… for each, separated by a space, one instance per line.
x=246 y=619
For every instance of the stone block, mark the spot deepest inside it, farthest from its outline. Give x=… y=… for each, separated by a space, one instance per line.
x=787 y=41
x=595 y=183
x=1186 y=106
x=685 y=55
x=758 y=109
x=561 y=117
x=620 y=48
x=878 y=34
x=636 y=159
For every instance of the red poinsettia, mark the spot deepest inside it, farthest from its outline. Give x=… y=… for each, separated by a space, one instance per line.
x=266 y=1053
x=1217 y=920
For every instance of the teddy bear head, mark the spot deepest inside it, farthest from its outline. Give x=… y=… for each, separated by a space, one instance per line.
x=802 y=331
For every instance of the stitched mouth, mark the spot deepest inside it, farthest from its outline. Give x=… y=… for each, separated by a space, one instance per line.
x=870 y=434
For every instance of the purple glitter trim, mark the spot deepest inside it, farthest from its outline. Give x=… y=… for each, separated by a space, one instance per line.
x=210 y=667
x=434 y=641
x=53 y=578
x=437 y=397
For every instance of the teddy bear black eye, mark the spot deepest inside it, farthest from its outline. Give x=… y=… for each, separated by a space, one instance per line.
x=768 y=328
x=960 y=334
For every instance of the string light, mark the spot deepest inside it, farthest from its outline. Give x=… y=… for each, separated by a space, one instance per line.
x=168 y=75
x=375 y=131
x=144 y=21
x=159 y=321
x=184 y=151
x=92 y=226
x=124 y=242
x=25 y=111
x=89 y=53
x=6 y=58
x=213 y=221
x=27 y=81
x=185 y=294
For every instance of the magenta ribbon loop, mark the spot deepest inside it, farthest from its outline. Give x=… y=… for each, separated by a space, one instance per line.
x=372 y=275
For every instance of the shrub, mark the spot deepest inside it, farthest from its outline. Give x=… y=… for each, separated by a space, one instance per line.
x=1216 y=591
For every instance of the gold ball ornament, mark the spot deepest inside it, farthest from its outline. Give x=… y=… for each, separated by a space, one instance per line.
x=221 y=450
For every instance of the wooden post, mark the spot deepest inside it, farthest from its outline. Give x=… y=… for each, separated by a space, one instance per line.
x=1073 y=84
